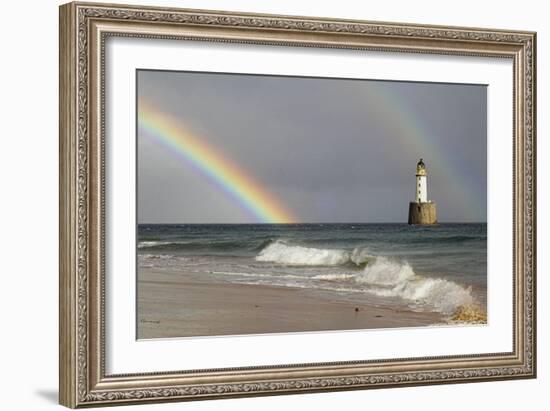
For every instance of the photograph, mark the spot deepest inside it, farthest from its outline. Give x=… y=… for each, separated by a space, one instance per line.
x=286 y=204
x=260 y=202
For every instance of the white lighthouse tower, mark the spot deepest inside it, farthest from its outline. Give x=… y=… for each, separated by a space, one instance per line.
x=422 y=211
x=421 y=184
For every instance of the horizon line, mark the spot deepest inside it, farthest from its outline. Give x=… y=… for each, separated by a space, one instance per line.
x=347 y=222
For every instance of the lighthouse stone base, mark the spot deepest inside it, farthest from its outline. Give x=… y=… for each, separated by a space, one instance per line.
x=422 y=213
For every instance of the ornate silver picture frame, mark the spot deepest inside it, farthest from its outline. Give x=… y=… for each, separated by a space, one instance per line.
x=84 y=30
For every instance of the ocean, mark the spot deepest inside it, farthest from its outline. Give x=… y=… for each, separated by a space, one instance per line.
x=421 y=268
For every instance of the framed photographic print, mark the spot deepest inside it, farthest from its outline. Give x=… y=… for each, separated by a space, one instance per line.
x=259 y=204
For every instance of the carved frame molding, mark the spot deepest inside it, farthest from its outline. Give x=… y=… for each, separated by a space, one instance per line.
x=84 y=27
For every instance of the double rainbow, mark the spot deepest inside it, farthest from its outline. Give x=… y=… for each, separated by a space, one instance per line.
x=211 y=163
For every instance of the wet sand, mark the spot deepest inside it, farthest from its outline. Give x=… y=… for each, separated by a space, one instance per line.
x=178 y=305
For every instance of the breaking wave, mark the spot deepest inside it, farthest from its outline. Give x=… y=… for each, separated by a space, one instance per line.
x=152 y=244
x=381 y=276
x=386 y=272
x=387 y=278
x=282 y=253
x=205 y=244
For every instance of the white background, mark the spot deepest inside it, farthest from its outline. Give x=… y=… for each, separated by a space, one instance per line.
x=28 y=205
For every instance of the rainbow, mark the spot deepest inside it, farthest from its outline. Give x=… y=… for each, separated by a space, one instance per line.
x=210 y=162
x=414 y=138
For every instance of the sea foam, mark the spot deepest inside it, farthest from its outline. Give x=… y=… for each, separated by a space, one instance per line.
x=397 y=279
x=282 y=253
x=384 y=271
x=152 y=244
x=381 y=276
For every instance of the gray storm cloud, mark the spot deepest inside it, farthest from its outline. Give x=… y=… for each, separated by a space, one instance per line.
x=329 y=150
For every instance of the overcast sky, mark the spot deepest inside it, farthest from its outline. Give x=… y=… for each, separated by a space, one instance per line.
x=330 y=150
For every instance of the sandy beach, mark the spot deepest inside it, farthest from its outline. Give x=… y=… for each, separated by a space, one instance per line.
x=179 y=305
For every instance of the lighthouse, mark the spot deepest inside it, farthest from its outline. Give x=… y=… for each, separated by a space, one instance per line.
x=422 y=211
x=421 y=188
